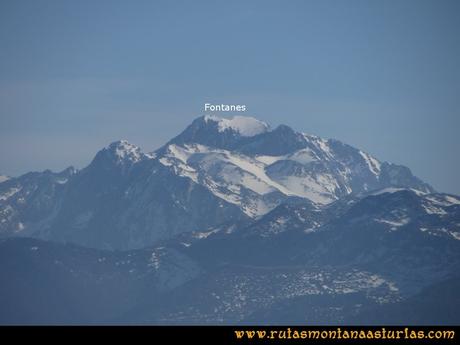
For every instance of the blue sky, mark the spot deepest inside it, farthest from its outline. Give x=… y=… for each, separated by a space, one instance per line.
x=380 y=75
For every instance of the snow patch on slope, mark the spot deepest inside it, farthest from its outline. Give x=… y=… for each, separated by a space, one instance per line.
x=318 y=190
x=372 y=163
x=8 y=194
x=321 y=144
x=432 y=209
x=269 y=160
x=257 y=170
x=443 y=200
x=392 y=190
x=229 y=174
x=394 y=223
x=226 y=174
x=303 y=156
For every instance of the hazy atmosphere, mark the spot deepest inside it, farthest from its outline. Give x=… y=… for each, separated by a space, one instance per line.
x=382 y=76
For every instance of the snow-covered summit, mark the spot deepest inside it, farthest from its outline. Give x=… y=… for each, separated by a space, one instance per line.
x=120 y=153
x=219 y=132
x=3 y=178
x=244 y=125
x=123 y=150
x=244 y=162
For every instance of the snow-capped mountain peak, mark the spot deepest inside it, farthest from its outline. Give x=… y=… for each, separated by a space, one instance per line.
x=118 y=157
x=258 y=172
x=219 y=132
x=243 y=125
x=123 y=150
x=122 y=153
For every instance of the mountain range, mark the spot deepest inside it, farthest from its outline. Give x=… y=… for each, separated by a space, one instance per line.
x=215 y=171
x=232 y=222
